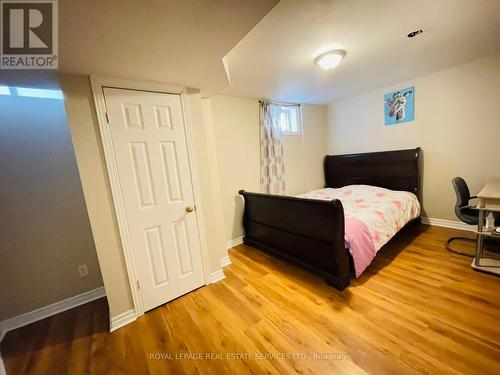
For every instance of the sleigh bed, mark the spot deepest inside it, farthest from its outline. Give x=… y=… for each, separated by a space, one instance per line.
x=312 y=232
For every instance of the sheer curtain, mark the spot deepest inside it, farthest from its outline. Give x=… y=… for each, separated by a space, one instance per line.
x=272 y=166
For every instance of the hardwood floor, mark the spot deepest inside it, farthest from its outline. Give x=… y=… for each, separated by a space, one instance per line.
x=417 y=309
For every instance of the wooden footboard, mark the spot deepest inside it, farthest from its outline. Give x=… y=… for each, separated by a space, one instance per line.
x=306 y=231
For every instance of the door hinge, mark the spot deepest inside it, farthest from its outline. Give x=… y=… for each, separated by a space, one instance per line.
x=138 y=285
x=107 y=118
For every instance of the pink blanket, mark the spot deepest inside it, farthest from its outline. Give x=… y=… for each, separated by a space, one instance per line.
x=357 y=236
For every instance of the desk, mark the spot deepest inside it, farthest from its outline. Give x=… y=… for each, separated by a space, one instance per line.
x=489 y=200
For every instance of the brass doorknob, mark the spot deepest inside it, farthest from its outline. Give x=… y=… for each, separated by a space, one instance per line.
x=189 y=209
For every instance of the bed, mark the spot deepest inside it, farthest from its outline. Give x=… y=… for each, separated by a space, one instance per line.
x=311 y=229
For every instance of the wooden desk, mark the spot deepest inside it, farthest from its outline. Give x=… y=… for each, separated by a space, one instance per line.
x=489 y=200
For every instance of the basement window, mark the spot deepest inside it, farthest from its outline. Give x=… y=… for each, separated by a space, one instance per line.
x=290 y=119
x=33 y=93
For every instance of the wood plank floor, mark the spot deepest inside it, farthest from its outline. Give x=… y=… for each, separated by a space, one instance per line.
x=417 y=309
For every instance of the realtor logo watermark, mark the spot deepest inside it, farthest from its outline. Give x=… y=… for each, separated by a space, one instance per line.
x=29 y=34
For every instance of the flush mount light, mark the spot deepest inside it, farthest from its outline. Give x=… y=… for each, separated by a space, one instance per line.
x=330 y=59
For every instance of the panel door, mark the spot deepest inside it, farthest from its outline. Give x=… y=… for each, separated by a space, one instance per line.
x=149 y=141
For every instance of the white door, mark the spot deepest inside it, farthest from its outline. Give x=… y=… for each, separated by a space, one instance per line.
x=149 y=141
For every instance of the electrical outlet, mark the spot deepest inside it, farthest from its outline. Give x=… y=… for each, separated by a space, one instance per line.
x=83 y=270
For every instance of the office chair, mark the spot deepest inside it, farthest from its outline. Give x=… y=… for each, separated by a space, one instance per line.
x=465 y=212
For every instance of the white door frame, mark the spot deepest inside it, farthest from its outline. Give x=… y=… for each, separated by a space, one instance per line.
x=98 y=84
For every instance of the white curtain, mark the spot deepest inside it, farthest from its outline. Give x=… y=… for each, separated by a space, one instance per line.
x=272 y=166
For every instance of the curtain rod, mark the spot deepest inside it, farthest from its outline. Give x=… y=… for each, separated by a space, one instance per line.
x=276 y=102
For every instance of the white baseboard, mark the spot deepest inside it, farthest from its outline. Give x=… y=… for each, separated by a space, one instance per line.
x=49 y=310
x=121 y=320
x=425 y=220
x=216 y=276
x=235 y=242
x=219 y=275
x=225 y=261
x=448 y=224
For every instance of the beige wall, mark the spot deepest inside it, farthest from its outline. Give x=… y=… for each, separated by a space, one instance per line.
x=457 y=124
x=209 y=180
x=95 y=182
x=44 y=233
x=92 y=166
x=304 y=154
x=236 y=129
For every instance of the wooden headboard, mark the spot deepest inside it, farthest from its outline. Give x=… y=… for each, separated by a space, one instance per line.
x=395 y=170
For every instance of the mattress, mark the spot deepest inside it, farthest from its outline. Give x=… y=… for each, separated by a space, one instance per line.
x=373 y=215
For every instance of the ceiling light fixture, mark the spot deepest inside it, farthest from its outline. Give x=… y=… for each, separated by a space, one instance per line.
x=330 y=59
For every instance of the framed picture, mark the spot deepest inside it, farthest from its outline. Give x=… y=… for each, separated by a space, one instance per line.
x=399 y=106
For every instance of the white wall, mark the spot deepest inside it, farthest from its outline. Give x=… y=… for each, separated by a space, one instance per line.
x=237 y=139
x=457 y=124
x=44 y=233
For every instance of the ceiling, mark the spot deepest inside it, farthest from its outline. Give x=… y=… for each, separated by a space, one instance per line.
x=266 y=48
x=275 y=59
x=172 y=41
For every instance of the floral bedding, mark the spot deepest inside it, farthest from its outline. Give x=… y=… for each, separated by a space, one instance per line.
x=373 y=215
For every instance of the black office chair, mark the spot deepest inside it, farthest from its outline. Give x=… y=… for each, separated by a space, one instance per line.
x=465 y=212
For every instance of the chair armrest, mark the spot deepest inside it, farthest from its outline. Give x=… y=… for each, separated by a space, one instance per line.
x=471 y=198
x=470 y=206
